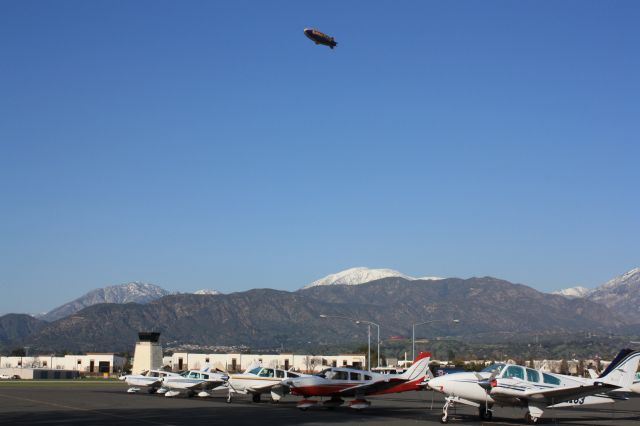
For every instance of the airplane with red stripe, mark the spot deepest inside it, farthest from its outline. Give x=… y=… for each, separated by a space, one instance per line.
x=337 y=382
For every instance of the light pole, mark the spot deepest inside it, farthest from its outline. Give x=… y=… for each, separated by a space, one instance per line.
x=369 y=323
x=413 y=332
x=377 y=325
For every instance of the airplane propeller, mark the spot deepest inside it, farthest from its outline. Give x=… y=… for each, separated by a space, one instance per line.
x=487 y=384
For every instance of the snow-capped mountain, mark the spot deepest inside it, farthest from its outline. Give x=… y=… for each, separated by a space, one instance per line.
x=207 y=291
x=574 y=292
x=362 y=275
x=621 y=294
x=137 y=292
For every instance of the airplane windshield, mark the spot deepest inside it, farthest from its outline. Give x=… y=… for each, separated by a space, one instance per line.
x=255 y=371
x=495 y=368
x=324 y=372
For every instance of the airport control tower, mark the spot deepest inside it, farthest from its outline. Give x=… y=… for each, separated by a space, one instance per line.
x=148 y=353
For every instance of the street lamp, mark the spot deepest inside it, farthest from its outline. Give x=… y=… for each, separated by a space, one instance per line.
x=369 y=324
x=413 y=332
x=378 y=326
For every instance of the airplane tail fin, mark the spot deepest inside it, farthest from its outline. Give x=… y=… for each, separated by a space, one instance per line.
x=420 y=367
x=622 y=369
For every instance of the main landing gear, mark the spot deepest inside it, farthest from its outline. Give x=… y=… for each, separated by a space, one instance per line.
x=531 y=419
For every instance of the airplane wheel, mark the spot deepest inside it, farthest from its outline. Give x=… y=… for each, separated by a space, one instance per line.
x=530 y=419
x=190 y=394
x=256 y=397
x=229 y=399
x=152 y=390
x=444 y=419
x=485 y=414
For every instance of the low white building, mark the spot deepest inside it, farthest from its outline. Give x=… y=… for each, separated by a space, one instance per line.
x=240 y=362
x=91 y=363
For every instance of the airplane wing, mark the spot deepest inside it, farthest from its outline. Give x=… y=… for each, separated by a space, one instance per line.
x=371 y=387
x=263 y=388
x=564 y=394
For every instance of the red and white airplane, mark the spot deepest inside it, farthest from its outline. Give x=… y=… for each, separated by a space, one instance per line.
x=337 y=383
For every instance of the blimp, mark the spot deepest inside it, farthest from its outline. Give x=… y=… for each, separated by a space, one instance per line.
x=320 y=38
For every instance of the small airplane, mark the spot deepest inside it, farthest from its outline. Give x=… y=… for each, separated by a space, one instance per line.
x=202 y=381
x=151 y=379
x=320 y=38
x=261 y=380
x=336 y=382
x=514 y=385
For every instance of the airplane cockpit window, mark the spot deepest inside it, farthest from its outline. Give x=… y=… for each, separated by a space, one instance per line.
x=548 y=378
x=255 y=371
x=194 y=375
x=325 y=373
x=266 y=372
x=533 y=375
x=495 y=368
x=280 y=374
x=513 y=371
x=354 y=376
x=153 y=374
x=290 y=374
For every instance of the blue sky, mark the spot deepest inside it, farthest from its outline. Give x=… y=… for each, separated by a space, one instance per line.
x=211 y=145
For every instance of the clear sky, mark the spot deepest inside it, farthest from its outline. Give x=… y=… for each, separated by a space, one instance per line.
x=199 y=144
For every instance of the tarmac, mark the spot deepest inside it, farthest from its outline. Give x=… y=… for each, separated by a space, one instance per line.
x=95 y=403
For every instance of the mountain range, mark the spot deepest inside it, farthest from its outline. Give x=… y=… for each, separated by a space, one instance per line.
x=621 y=294
x=271 y=318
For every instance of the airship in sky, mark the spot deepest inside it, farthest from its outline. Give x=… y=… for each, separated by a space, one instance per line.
x=320 y=38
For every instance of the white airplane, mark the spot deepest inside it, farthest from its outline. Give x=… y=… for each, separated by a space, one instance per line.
x=514 y=385
x=261 y=380
x=338 y=382
x=202 y=381
x=151 y=379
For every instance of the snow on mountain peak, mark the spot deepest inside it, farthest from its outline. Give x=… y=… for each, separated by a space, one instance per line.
x=362 y=275
x=206 y=291
x=573 y=292
x=629 y=277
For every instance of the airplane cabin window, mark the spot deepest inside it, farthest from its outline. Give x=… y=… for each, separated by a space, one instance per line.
x=205 y=376
x=280 y=374
x=550 y=379
x=533 y=375
x=367 y=377
x=255 y=371
x=340 y=375
x=354 y=376
x=514 y=371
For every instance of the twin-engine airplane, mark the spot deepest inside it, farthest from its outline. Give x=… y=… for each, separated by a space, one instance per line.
x=514 y=385
x=338 y=382
x=151 y=379
x=261 y=380
x=192 y=381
